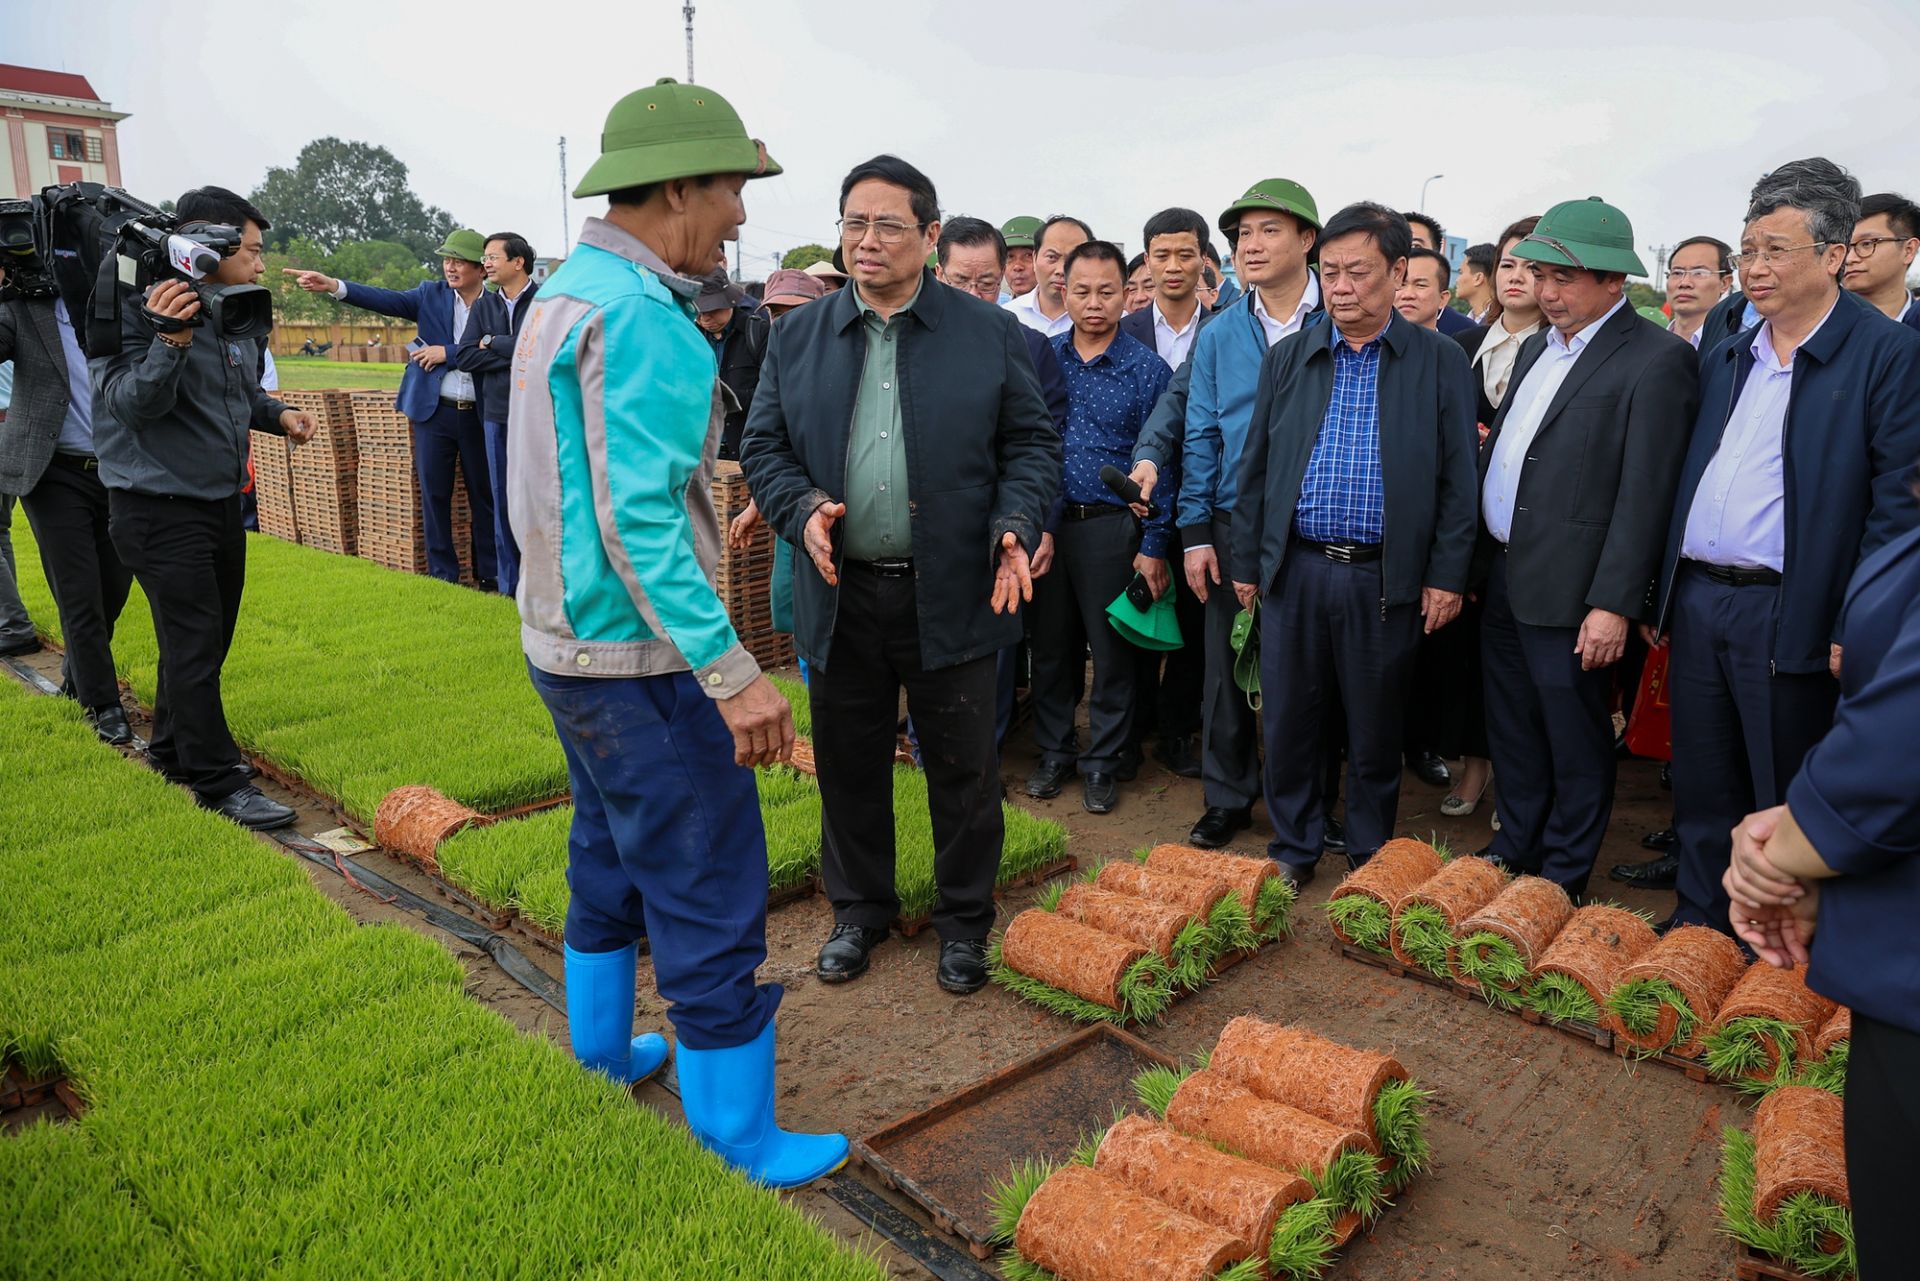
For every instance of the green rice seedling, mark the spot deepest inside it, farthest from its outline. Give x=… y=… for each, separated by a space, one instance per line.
x=1425 y=937
x=1400 y=1121
x=1145 y=991
x=793 y=841
x=1156 y=1086
x=1739 y=1048
x=1830 y=1073
x=1352 y=1181
x=1087 y=1150
x=1302 y=1244
x=1009 y=1196
x=1561 y=999
x=1193 y=955
x=1048 y=900
x=1273 y=909
x=493 y=862
x=1363 y=919
x=543 y=897
x=1493 y=962
x=69 y=1216
x=780 y=784
x=1030 y=843
x=1230 y=927
x=1801 y=1227
x=1637 y=1004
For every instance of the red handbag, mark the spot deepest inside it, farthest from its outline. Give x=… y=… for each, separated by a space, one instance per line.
x=1650 y=728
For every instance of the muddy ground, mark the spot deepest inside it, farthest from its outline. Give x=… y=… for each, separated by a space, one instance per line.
x=1553 y=1159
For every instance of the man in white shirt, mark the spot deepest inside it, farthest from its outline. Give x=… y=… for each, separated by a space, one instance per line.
x=1045 y=307
x=1699 y=274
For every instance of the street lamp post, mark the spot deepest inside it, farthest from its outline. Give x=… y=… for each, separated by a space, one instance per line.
x=1422 y=206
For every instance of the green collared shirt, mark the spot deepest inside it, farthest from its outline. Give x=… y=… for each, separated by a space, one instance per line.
x=877 y=523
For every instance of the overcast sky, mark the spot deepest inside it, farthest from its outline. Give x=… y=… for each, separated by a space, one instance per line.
x=1107 y=111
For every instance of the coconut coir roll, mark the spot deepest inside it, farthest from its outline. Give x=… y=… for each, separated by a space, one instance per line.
x=414 y=820
x=1835 y=1030
x=1396 y=870
x=1195 y=894
x=1239 y=1197
x=1290 y=1065
x=1220 y=1110
x=1704 y=964
x=1769 y=992
x=1244 y=876
x=1596 y=946
x=1152 y=925
x=1528 y=914
x=1798 y=1148
x=1085 y=1225
x=1065 y=954
x=1459 y=889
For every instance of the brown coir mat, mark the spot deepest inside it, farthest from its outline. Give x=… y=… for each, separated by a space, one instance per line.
x=1242 y=1198
x=1798 y=1148
x=1461 y=888
x=1065 y=954
x=1244 y=876
x=412 y=821
x=1220 y=1110
x=1196 y=894
x=1083 y=1225
x=1835 y=1030
x=1595 y=948
x=1704 y=965
x=948 y=1158
x=1141 y=921
x=1304 y=1070
x=1773 y=993
x=1528 y=914
x=1396 y=870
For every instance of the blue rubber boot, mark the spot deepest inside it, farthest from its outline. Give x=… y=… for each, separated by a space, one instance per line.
x=728 y=1098
x=600 y=1016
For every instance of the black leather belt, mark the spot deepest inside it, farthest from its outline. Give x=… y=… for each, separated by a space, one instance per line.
x=1729 y=576
x=1092 y=511
x=884 y=568
x=458 y=404
x=1342 y=553
x=76 y=462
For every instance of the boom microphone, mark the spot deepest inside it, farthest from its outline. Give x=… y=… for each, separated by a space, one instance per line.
x=1123 y=485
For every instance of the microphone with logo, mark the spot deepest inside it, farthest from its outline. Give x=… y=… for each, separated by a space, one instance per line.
x=1123 y=485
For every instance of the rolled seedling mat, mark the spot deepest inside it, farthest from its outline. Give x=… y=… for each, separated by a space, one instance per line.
x=1833 y=1032
x=1669 y=997
x=1255 y=881
x=1583 y=964
x=414 y=820
x=1498 y=946
x=803 y=754
x=1375 y=889
x=1425 y=919
x=1084 y=1225
x=1100 y=976
x=1220 y=1110
x=1178 y=937
x=1798 y=1147
x=1242 y=1198
x=1305 y=1070
x=1196 y=894
x=1769 y=1007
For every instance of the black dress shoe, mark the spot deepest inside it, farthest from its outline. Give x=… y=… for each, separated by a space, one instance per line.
x=1100 y=792
x=1656 y=874
x=1500 y=863
x=1429 y=769
x=1049 y=779
x=963 y=966
x=844 y=955
x=1295 y=877
x=1178 y=756
x=110 y=723
x=18 y=649
x=1664 y=839
x=1217 y=826
x=1333 y=839
x=250 y=807
x=1129 y=764
x=491 y=586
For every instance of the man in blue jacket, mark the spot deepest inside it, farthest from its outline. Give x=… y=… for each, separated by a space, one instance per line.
x=487 y=353
x=1799 y=467
x=438 y=399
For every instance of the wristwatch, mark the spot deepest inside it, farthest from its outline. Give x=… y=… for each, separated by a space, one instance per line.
x=486 y=341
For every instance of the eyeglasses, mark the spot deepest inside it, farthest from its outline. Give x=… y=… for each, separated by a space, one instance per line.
x=886 y=230
x=1701 y=274
x=1864 y=247
x=1768 y=257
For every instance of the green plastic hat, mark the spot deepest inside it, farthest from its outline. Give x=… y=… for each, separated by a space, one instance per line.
x=1157 y=628
x=1019 y=232
x=1283 y=194
x=465 y=243
x=672 y=131
x=1589 y=234
x=1245 y=639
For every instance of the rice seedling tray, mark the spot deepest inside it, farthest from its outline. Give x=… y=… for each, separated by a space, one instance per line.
x=25 y=1100
x=908 y=926
x=1392 y=966
x=1751 y=1265
x=1694 y=1069
x=947 y=1158
x=1591 y=1033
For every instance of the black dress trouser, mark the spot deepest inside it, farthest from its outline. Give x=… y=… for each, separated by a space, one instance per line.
x=856 y=707
x=190 y=557
x=68 y=511
x=1882 y=1131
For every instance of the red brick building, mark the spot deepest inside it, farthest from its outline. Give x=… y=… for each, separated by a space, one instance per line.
x=58 y=130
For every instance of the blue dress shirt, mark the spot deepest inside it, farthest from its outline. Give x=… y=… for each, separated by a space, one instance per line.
x=1341 y=495
x=1108 y=400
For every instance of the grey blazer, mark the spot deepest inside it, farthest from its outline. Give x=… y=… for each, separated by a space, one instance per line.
x=30 y=338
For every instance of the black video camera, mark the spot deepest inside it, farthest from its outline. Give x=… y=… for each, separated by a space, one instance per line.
x=102 y=243
x=27 y=275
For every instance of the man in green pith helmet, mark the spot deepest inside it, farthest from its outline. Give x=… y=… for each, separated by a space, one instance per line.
x=615 y=426
x=1019 y=233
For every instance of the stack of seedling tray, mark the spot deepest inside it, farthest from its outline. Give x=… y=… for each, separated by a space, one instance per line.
x=1784 y=1197
x=325 y=472
x=745 y=577
x=390 y=530
x=273 y=486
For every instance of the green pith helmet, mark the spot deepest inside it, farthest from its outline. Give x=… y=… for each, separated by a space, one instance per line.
x=672 y=131
x=1588 y=234
x=465 y=243
x=1283 y=194
x=1019 y=232
x=1156 y=628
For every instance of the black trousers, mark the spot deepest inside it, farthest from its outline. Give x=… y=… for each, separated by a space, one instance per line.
x=1740 y=732
x=1092 y=564
x=68 y=512
x=190 y=557
x=1230 y=744
x=856 y=708
x=1169 y=686
x=1326 y=639
x=1449 y=691
x=1550 y=726
x=1882 y=1132
x=454 y=435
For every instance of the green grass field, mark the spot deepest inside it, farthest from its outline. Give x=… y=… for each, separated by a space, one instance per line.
x=318 y=373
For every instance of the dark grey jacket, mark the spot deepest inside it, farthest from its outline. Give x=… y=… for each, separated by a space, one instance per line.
x=174 y=423
x=30 y=338
x=983 y=457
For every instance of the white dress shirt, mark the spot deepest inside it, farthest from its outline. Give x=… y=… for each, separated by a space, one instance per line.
x=1738 y=517
x=1174 y=344
x=1531 y=400
x=1278 y=329
x=1026 y=309
x=1498 y=351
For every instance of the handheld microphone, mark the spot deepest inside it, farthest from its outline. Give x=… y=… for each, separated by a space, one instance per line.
x=1123 y=485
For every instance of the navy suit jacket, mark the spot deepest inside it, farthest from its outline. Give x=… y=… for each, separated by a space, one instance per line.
x=429 y=305
x=490 y=364
x=1851 y=438
x=1912 y=318
x=1453 y=322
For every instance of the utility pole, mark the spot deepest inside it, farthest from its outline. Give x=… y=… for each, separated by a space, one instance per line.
x=686 y=11
x=566 y=230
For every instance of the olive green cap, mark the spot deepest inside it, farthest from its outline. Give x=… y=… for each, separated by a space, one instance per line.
x=1283 y=194
x=1588 y=234
x=672 y=131
x=1019 y=232
x=465 y=243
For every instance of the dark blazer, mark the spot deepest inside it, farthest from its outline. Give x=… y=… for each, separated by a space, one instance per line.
x=1912 y=318
x=1164 y=434
x=1139 y=325
x=30 y=338
x=739 y=352
x=1851 y=438
x=1727 y=318
x=489 y=364
x=1427 y=439
x=983 y=456
x=429 y=305
x=1053 y=378
x=1453 y=322
x=1470 y=340
x=1591 y=513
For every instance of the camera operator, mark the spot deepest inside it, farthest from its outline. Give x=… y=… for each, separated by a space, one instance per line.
x=47 y=461
x=171 y=414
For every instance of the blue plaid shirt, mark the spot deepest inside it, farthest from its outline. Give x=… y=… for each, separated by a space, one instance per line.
x=1341 y=494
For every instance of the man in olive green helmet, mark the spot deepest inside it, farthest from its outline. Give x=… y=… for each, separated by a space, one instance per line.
x=1019 y=233
x=614 y=429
